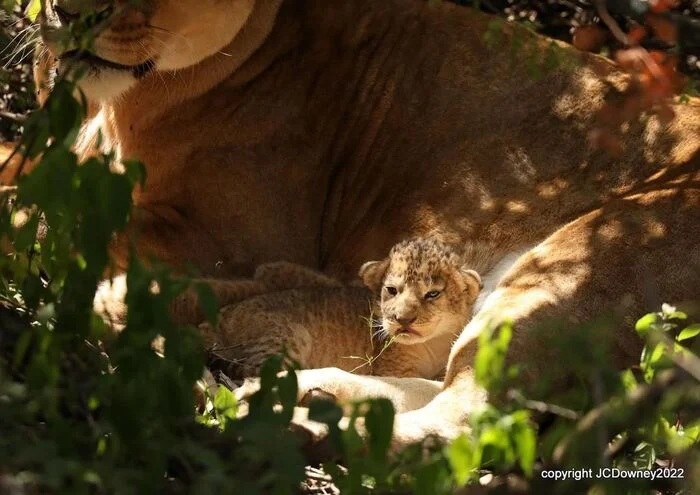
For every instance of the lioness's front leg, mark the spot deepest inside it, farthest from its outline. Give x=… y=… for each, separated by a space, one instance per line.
x=617 y=263
x=405 y=393
x=110 y=300
x=161 y=233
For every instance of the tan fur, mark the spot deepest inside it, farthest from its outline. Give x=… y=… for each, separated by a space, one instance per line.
x=268 y=277
x=324 y=131
x=12 y=163
x=348 y=327
x=280 y=275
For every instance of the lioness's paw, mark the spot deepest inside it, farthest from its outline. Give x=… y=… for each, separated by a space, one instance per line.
x=313 y=438
x=245 y=391
x=316 y=394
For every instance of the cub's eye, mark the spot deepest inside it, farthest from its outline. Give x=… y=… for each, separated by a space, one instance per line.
x=433 y=294
x=391 y=290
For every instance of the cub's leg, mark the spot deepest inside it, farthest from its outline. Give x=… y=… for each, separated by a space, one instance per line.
x=110 y=297
x=186 y=309
x=281 y=275
x=618 y=263
x=269 y=277
x=250 y=332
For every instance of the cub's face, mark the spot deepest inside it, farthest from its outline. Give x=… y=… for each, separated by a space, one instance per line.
x=135 y=37
x=423 y=291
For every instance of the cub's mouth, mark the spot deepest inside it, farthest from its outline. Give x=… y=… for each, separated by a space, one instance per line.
x=406 y=332
x=93 y=61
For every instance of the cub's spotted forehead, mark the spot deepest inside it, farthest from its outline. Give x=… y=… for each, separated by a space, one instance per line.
x=420 y=260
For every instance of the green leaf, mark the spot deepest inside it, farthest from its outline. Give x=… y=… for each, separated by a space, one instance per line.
x=225 y=403
x=287 y=389
x=65 y=113
x=689 y=332
x=644 y=324
x=379 y=421
x=525 y=441
x=671 y=313
x=463 y=459
x=629 y=382
x=325 y=411
x=135 y=171
x=329 y=413
x=26 y=234
x=207 y=302
x=657 y=354
x=644 y=456
x=496 y=446
x=33 y=10
x=21 y=347
x=490 y=357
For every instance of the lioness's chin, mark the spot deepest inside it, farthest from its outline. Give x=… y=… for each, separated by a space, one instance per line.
x=105 y=85
x=98 y=83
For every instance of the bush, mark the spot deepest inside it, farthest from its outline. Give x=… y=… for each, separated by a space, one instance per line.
x=76 y=417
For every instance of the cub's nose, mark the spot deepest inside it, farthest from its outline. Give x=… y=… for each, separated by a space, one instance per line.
x=404 y=321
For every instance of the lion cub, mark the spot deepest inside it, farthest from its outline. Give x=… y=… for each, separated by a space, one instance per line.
x=417 y=300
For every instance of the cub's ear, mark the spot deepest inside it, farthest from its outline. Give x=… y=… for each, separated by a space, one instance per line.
x=372 y=274
x=473 y=281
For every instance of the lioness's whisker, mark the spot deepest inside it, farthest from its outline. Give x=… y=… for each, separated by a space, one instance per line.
x=160 y=30
x=19 y=43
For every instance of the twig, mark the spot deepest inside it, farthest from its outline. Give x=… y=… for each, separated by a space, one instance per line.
x=319 y=482
x=370 y=360
x=687 y=361
x=223 y=379
x=318 y=476
x=616 y=415
x=615 y=447
x=612 y=24
x=15 y=117
x=216 y=347
x=542 y=407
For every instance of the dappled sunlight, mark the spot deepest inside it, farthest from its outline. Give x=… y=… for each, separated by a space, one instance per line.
x=241 y=176
x=519 y=164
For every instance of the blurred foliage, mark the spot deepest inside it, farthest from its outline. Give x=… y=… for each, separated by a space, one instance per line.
x=79 y=416
x=17 y=36
x=573 y=21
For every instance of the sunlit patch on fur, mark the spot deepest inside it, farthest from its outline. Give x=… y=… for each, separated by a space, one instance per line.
x=106 y=84
x=164 y=36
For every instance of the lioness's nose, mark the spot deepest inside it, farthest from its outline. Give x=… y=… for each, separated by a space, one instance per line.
x=404 y=321
x=71 y=10
x=66 y=16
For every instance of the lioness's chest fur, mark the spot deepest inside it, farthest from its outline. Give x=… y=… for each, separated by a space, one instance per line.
x=359 y=123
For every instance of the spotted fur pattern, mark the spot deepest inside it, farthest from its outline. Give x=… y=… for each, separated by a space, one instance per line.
x=322 y=324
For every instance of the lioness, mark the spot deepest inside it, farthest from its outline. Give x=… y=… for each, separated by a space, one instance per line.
x=402 y=323
x=323 y=131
